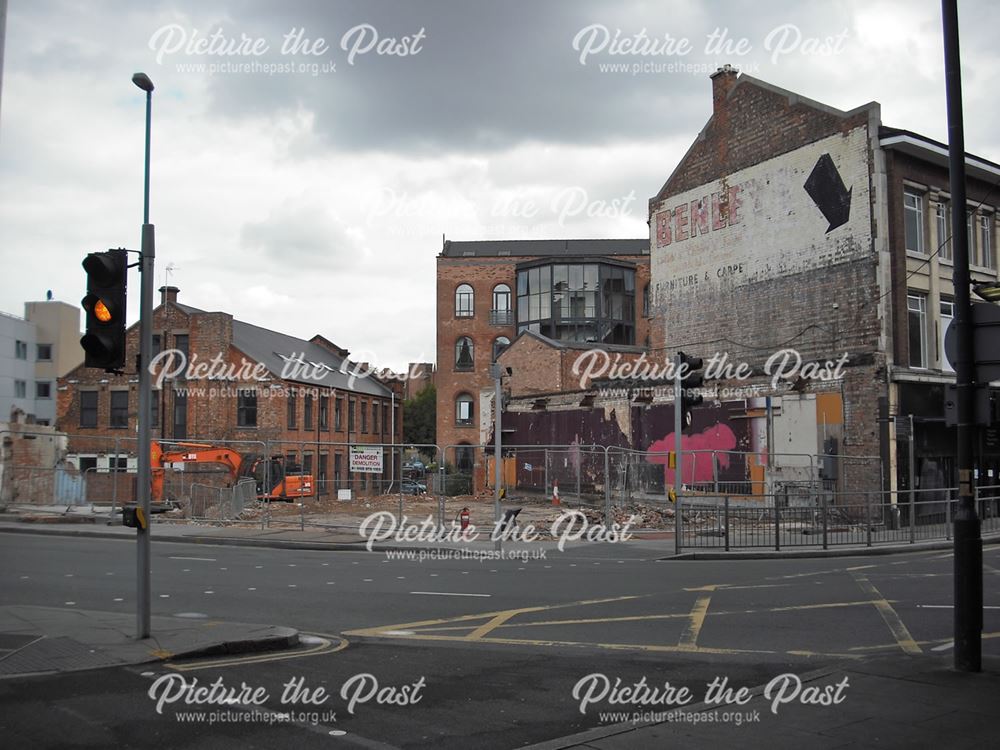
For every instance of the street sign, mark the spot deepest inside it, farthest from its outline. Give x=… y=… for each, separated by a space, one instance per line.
x=982 y=405
x=986 y=338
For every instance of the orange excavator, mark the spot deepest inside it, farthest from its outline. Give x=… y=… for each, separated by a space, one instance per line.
x=274 y=479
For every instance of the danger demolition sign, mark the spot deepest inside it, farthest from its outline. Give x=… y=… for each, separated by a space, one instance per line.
x=366 y=460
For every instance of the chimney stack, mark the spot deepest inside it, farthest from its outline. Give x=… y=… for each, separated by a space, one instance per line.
x=723 y=81
x=168 y=294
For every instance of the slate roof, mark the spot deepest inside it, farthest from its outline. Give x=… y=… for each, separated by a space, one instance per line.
x=548 y=248
x=273 y=349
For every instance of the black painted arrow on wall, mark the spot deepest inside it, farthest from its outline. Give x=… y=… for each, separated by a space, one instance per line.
x=828 y=192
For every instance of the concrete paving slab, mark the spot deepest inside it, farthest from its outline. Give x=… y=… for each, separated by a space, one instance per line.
x=62 y=639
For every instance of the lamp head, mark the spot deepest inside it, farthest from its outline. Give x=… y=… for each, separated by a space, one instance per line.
x=142 y=81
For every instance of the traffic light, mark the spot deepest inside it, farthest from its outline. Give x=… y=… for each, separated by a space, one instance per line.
x=133 y=517
x=104 y=341
x=690 y=379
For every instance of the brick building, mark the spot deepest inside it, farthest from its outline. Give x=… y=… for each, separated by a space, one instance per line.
x=489 y=293
x=419 y=375
x=790 y=233
x=793 y=225
x=297 y=397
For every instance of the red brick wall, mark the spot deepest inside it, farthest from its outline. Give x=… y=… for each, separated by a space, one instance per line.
x=483 y=274
x=823 y=310
x=536 y=367
x=212 y=404
x=751 y=122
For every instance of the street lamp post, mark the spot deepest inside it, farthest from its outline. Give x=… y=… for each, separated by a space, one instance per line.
x=148 y=254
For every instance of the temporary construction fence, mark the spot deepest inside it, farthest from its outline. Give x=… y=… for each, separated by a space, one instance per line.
x=728 y=499
x=212 y=503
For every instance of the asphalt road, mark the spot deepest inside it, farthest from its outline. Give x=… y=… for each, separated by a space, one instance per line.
x=496 y=647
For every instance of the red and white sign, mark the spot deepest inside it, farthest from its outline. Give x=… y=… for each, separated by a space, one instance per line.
x=366 y=460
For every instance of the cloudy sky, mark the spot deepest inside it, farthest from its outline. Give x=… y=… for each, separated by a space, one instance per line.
x=308 y=156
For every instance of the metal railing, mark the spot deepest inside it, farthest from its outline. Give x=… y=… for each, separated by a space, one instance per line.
x=501 y=317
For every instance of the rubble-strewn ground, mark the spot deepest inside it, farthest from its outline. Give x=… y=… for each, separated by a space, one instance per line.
x=535 y=510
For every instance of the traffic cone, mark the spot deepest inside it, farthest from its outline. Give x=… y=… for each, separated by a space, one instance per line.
x=555 y=493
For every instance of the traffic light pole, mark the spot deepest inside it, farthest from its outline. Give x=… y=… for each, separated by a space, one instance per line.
x=968 y=540
x=497 y=447
x=148 y=252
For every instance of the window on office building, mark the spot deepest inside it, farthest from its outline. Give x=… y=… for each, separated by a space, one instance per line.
x=947 y=314
x=943 y=218
x=916 y=305
x=986 y=252
x=913 y=221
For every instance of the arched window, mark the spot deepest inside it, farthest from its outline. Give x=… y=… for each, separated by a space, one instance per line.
x=464 y=354
x=499 y=344
x=463 y=409
x=500 y=313
x=465 y=300
x=464 y=458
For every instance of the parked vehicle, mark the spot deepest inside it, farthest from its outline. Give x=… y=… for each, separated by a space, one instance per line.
x=410 y=487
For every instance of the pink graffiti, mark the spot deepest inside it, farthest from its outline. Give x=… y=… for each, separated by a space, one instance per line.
x=696 y=457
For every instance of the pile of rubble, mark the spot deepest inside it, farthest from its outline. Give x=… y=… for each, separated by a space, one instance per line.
x=642 y=516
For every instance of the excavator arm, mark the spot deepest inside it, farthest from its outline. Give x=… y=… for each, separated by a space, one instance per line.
x=190 y=453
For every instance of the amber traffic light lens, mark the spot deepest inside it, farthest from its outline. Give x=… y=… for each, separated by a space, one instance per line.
x=101 y=312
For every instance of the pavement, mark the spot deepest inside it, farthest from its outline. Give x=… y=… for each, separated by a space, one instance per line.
x=42 y=640
x=900 y=702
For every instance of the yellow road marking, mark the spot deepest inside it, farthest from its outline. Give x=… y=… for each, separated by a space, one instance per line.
x=580 y=621
x=486 y=627
x=984 y=636
x=638 y=618
x=261 y=658
x=812 y=654
x=795 y=607
x=610 y=646
x=731 y=587
x=889 y=616
x=756 y=586
x=483 y=615
x=689 y=638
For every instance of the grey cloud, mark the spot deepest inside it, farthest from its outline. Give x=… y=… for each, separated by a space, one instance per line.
x=300 y=234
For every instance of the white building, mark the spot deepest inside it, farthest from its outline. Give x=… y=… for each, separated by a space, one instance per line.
x=34 y=352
